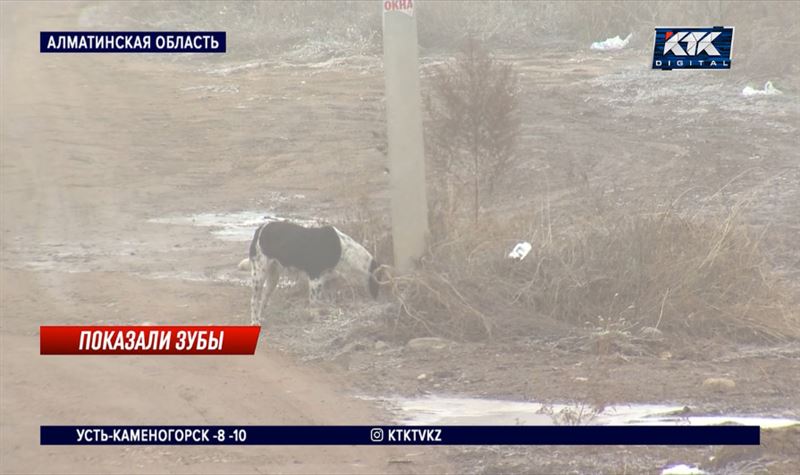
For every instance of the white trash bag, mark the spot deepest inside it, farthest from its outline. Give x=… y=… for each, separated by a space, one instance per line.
x=611 y=44
x=769 y=90
x=520 y=251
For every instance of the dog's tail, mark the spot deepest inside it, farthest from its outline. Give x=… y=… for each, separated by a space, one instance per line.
x=247 y=263
x=254 y=242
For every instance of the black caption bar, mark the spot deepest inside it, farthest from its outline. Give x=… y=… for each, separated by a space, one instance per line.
x=400 y=435
x=132 y=42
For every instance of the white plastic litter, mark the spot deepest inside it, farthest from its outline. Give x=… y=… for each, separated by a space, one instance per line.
x=682 y=470
x=520 y=250
x=769 y=90
x=612 y=43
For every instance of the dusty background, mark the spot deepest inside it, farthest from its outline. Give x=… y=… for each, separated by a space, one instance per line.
x=95 y=147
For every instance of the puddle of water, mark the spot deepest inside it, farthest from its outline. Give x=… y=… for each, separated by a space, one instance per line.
x=176 y=275
x=682 y=469
x=223 y=276
x=235 y=226
x=436 y=410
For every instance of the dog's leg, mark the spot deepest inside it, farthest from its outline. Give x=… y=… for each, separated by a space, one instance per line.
x=315 y=290
x=315 y=295
x=258 y=274
x=272 y=275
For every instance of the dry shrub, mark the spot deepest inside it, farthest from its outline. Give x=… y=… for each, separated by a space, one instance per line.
x=473 y=129
x=688 y=277
x=455 y=291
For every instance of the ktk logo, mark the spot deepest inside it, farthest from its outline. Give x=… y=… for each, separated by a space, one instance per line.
x=696 y=42
x=693 y=48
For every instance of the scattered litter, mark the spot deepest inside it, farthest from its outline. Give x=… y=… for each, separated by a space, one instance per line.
x=610 y=44
x=769 y=90
x=682 y=469
x=520 y=251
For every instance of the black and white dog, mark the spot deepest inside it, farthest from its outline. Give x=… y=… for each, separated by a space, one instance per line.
x=319 y=252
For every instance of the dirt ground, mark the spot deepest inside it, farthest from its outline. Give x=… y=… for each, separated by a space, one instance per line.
x=94 y=147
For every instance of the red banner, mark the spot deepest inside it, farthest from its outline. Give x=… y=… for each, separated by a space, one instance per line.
x=148 y=340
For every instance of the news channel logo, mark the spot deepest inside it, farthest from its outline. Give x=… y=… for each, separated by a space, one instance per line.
x=376 y=434
x=693 y=48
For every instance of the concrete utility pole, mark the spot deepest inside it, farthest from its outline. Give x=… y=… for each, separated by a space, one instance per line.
x=404 y=133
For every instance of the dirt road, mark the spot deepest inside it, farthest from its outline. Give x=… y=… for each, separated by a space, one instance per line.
x=266 y=389
x=91 y=144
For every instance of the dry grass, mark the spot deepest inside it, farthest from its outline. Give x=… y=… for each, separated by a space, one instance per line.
x=687 y=277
